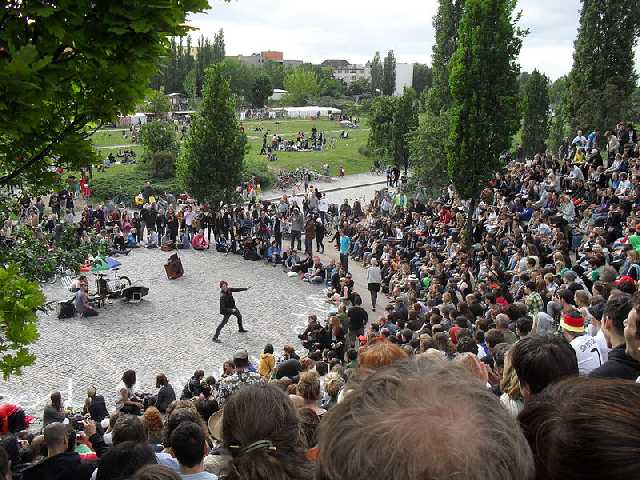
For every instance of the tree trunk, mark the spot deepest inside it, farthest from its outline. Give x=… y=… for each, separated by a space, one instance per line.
x=468 y=226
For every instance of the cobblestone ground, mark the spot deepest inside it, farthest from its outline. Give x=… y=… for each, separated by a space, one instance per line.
x=169 y=331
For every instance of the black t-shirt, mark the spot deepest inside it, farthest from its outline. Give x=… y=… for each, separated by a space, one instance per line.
x=358 y=318
x=289 y=368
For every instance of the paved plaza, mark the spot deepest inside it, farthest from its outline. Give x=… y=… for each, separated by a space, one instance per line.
x=169 y=331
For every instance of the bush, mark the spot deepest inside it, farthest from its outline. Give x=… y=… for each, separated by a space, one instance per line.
x=258 y=168
x=127 y=180
x=364 y=150
x=160 y=164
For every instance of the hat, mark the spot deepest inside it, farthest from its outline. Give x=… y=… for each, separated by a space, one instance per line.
x=241 y=355
x=412 y=278
x=624 y=279
x=215 y=425
x=572 y=322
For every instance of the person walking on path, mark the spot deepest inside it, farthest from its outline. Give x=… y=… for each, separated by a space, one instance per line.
x=374 y=279
x=228 y=308
x=345 y=243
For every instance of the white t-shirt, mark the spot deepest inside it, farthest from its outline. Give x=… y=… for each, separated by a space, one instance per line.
x=601 y=341
x=588 y=354
x=323 y=205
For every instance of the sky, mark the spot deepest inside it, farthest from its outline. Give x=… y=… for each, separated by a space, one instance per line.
x=355 y=29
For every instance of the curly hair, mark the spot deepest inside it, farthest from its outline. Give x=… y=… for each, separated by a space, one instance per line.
x=309 y=385
x=152 y=420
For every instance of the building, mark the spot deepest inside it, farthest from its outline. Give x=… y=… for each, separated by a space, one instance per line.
x=404 y=77
x=178 y=101
x=348 y=72
x=292 y=63
x=272 y=55
x=277 y=94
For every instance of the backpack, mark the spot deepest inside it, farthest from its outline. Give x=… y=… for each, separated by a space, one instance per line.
x=66 y=309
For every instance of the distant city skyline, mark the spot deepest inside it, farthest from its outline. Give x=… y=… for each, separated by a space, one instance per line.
x=354 y=30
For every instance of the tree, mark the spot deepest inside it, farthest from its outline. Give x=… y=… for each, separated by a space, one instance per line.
x=69 y=65
x=160 y=148
x=377 y=74
x=446 y=24
x=262 y=90
x=218 y=53
x=241 y=78
x=210 y=162
x=603 y=79
x=300 y=84
x=157 y=102
x=559 y=105
x=359 y=87
x=381 y=114
x=535 y=126
x=20 y=299
x=428 y=149
x=422 y=78
x=405 y=121
x=484 y=88
x=389 y=76
x=276 y=72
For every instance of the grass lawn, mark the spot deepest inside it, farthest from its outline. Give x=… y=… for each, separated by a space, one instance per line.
x=344 y=153
x=106 y=138
x=104 y=151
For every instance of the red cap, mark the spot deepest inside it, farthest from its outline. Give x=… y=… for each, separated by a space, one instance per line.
x=572 y=322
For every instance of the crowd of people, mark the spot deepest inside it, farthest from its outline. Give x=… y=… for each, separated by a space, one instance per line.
x=514 y=357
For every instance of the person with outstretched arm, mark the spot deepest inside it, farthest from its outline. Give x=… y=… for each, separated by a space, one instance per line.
x=228 y=308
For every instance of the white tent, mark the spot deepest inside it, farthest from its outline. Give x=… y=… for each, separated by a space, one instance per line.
x=308 y=112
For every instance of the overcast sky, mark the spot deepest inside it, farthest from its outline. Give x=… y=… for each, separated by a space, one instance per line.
x=354 y=29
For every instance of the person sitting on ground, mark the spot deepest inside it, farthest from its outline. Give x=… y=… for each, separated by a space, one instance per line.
x=584 y=345
x=193 y=387
x=59 y=463
x=82 y=304
x=198 y=241
x=540 y=360
x=239 y=379
x=410 y=405
x=188 y=444
x=152 y=422
x=122 y=461
x=54 y=411
x=165 y=395
x=619 y=364
x=261 y=429
x=95 y=406
x=570 y=442
x=267 y=362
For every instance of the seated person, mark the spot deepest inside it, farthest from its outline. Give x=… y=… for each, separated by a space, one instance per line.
x=222 y=245
x=305 y=264
x=198 y=241
x=82 y=304
x=317 y=273
x=131 y=239
x=152 y=240
x=274 y=254
x=292 y=260
x=77 y=283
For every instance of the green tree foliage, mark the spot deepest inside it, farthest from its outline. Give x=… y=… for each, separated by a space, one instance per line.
x=381 y=114
x=20 y=299
x=359 y=87
x=422 y=78
x=241 y=78
x=484 y=87
x=210 y=163
x=603 y=79
x=276 y=72
x=428 y=149
x=262 y=90
x=535 y=108
x=157 y=102
x=160 y=148
x=389 y=76
x=300 y=85
x=446 y=24
x=559 y=104
x=405 y=121
x=392 y=120
x=71 y=64
x=377 y=74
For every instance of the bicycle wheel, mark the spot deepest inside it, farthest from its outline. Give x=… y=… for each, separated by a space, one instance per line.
x=124 y=282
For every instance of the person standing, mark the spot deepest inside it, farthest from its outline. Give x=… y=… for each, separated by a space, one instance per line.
x=297 y=222
x=228 y=308
x=320 y=232
x=374 y=279
x=345 y=243
x=309 y=235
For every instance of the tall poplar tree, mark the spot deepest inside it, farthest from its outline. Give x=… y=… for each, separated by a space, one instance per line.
x=377 y=73
x=389 y=74
x=603 y=79
x=483 y=80
x=446 y=24
x=211 y=156
x=535 y=108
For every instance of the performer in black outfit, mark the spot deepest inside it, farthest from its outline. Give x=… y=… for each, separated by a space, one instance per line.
x=228 y=308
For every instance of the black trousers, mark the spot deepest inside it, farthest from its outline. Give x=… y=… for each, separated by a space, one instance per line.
x=296 y=235
x=225 y=318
